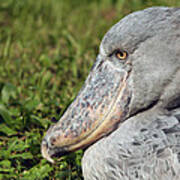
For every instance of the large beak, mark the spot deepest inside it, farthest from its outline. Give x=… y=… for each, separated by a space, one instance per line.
x=100 y=106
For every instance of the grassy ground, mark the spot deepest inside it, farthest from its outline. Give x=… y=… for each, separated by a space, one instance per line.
x=47 y=48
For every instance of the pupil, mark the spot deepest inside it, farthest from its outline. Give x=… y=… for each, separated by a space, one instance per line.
x=120 y=54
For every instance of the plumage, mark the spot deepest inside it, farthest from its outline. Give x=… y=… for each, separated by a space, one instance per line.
x=146 y=147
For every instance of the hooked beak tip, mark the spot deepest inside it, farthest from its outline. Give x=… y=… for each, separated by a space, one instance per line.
x=44 y=152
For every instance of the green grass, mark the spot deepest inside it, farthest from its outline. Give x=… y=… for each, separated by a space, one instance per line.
x=47 y=48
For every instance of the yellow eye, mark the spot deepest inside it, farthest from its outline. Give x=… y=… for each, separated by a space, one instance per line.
x=122 y=55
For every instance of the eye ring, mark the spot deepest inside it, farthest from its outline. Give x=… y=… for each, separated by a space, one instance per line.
x=121 y=55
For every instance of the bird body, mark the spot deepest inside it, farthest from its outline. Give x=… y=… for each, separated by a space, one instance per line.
x=146 y=147
x=128 y=111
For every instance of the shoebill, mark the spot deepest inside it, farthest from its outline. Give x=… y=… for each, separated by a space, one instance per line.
x=127 y=114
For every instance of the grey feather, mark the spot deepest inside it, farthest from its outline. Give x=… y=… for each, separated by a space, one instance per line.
x=146 y=147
